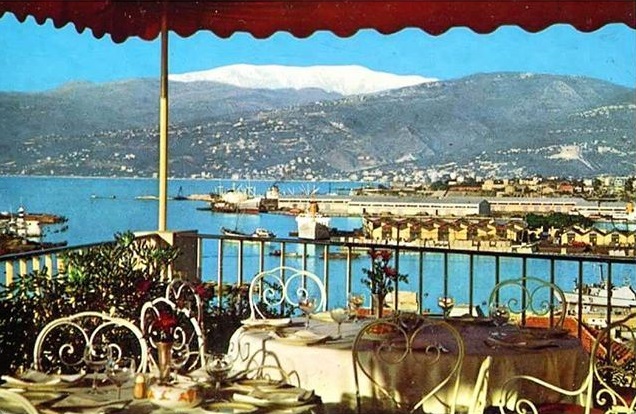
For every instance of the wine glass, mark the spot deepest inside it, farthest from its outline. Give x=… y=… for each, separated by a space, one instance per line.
x=95 y=357
x=355 y=301
x=446 y=303
x=500 y=316
x=307 y=306
x=119 y=371
x=339 y=315
x=218 y=366
x=178 y=360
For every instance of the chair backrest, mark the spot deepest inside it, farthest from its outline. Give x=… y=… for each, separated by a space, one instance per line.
x=610 y=384
x=614 y=366
x=412 y=360
x=273 y=290
x=188 y=341
x=59 y=347
x=530 y=295
x=13 y=402
x=478 y=400
x=184 y=294
x=265 y=365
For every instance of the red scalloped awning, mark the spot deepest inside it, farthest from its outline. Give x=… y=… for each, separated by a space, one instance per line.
x=124 y=19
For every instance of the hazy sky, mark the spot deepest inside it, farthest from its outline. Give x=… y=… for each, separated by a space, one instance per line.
x=34 y=57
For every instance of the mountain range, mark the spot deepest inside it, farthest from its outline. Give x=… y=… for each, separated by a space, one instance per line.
x=345 y=123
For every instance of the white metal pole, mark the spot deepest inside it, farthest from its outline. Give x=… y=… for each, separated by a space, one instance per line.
x=163 y=129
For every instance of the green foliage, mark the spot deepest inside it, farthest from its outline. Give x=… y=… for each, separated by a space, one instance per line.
x=115 y=278
x=557 y=220
x=105 y=278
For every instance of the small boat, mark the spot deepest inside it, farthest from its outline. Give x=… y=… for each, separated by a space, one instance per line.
x=233 y=233
x=259 y=233
x=262 y=233
x=180 y=196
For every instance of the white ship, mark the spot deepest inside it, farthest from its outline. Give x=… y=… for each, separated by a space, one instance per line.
x=312 y=225
x=594 y=301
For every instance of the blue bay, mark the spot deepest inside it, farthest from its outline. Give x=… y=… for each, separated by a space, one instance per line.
x=96 y=208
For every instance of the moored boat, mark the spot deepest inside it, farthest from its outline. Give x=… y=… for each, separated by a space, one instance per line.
x=594 y=301
x=259 y=233
x=263 y=233
x=233 y=233
x=312 y=225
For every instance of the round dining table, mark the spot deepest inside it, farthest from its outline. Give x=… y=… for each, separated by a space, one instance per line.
x=325 y=362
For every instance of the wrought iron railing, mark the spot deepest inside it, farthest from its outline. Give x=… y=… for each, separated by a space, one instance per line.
x=467 y=275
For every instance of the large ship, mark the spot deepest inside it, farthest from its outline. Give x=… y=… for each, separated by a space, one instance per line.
x=312 y=225
x=594 y=301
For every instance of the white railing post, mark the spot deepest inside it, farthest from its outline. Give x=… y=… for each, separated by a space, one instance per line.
x=9 y=272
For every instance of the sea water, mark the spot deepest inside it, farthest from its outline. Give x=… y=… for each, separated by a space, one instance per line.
x=97 y=208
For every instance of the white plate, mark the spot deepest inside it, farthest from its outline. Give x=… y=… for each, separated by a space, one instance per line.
x=229 y=408
x=267 y=322
x=303 y=337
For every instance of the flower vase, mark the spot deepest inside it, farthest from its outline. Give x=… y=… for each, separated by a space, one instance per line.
x=164 y=361
x=378 y=304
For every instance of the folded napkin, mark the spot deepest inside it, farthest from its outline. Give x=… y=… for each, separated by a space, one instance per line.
x=279 y=322
x=32 y=379
x=86 y=403
x=303 y=337
x=292 y=396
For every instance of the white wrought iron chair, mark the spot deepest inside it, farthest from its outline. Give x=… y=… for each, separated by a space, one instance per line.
x=60 y=345
x=609 y=387
x=188 y=341
x=273 y=290
x=530 y=295
x=479 y=400
x=412 y=360
x=184 y=294
x=265 y=365
x=12 y=402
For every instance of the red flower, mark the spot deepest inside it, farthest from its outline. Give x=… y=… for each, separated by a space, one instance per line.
x=165 y=324
x=390 y=272
x=380 y=277
x=203 y=291
x=143 y=286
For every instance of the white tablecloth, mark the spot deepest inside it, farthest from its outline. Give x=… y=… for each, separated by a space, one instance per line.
x=328 y=368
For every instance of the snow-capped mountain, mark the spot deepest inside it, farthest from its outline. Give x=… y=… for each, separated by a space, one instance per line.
x=345 y=80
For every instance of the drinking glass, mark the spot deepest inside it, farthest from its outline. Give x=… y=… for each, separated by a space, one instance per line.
x=119 y=371
x=178 y=360
x=446 y=303
x=218 y=366
x=307 y=306
x=95 y=358
x=500 y=316
x=339 y=315
x=355 y=301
